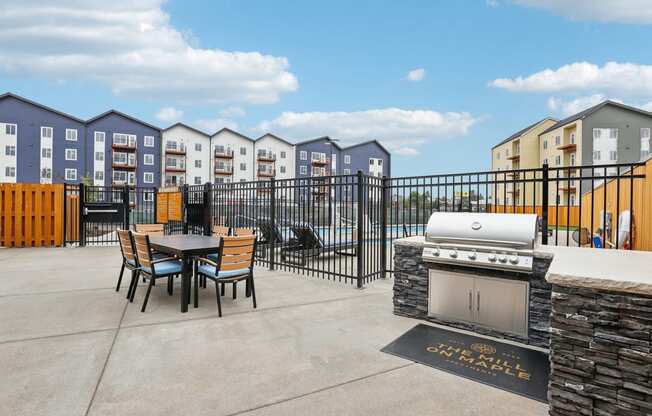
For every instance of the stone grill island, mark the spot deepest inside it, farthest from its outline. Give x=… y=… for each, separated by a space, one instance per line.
x=592 y=309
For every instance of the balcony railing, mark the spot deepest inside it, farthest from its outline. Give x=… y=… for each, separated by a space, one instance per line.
x=266 y=156
x=130 y=145
x=269 y=173
x=173 y=167
x=223 y=153
x=319 y=160
x=224 y=169
x=175 y=149
x=129 y=165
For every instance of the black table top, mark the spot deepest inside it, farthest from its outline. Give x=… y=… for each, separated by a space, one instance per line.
x=186 y=244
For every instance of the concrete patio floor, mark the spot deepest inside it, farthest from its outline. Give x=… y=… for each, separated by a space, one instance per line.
x=71 y=345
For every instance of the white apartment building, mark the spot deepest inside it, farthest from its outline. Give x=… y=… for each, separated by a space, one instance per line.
x=8 y=138
x=186 y=156
x=274 y=157
x=232 y=157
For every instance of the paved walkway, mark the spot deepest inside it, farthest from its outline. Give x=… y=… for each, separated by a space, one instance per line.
x=71 y=345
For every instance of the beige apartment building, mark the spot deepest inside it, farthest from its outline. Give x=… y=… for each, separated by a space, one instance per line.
x=518 y=151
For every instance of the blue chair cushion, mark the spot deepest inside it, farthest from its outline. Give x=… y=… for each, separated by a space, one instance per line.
x=165 y=267
x=132 y=263
x=209 y=270
x=213 y=256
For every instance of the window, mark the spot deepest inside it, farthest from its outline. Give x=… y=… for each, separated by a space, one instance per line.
x=148 y=197
x=10 y=172
x=645 y=142
x=303 y=170
x=99 y=137
x=613 y=155
x=46 y=173
x=596 y=155
x=148 y=159
x=545 y=144
x=198 y=147
x=71 y=135
x=243 y=151
x=71 y=154
x=597 y=133
x=119 y=176
x=380 y=162
x=119 y=158
x=10 y=129
x=572 y=138
x=572 y=200
x=197 y=180
x=71 y=174
x=281 y=169
x=149 y=141
x=572 y=159
x=10 y=150
x=303 y=155
x=557 y=140
x=243 y=166
x=557 y=160
x=198 y=163
x=347 y=171
x=506 y=152
x=347 y=159
x=613 y=133
x=99 y=156
x=371 y=162
x=99 y=175
x=283 y=154
x=121 y=139
x=46 y=132
x=46 y=153
x=148 y=177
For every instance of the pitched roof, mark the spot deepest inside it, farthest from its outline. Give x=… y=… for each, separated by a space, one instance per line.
x=523 y=131
x=179 y=124
x=276 y=137
x=232 y=131
x=376 y=142
x=134 y=119
x=585 y=113
x=34 y=103
x=328 y=139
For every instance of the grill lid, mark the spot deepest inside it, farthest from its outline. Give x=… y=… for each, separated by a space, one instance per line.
x=518 y=231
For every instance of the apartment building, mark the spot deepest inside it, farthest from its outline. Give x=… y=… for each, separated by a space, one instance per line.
x=518 y=151
x=274 y=157
x=122 y=150
x=605 y=134
x=232 y=156
x=39 y=144
x=186 y=156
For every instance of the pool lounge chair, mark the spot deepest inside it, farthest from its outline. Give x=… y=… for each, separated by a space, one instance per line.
x=309 y=243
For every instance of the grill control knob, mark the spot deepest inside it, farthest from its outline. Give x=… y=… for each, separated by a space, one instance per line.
x=514 y=259
x=502 y=258
x=473 y=255
x=435 y=251
x=453 y=253
x=492 y=256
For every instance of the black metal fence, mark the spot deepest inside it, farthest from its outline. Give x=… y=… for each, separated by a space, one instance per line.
x=342 y=227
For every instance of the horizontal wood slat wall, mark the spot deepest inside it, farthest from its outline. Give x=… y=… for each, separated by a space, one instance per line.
x=31 y=215
x=168 y=207
x=562 y=218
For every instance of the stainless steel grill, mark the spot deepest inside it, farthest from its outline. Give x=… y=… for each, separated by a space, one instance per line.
x=495 y=241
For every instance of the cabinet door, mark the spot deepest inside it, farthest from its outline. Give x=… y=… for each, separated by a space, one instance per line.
x=502 y=304
x=451 y=295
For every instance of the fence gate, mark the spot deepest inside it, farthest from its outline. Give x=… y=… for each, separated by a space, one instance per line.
x=104 y=210
x=197 y=204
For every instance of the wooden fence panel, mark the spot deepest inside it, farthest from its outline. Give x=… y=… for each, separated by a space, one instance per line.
x=562 y=216
x=31 y=215
x=169 y=207
x=72 y=218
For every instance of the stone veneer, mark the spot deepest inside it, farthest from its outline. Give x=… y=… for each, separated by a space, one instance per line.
x=411 y=293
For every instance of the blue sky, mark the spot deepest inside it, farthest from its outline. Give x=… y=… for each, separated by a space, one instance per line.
x=336 y=68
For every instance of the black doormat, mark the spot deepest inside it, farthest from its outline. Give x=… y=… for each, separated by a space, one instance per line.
x=509 y=367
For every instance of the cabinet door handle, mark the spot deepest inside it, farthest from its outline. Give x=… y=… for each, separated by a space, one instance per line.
x=478 y=305
x=470 y=300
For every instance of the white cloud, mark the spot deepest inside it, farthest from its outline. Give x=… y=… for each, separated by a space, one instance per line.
x=624 y=11
x=416 y=75
x=130 y=46
x=394 y=127
x=647 y=107
x=617 y=78
x=211 y=125
x=233 y=112
x=569 y=107
x=406 y=151
x=492 y=3
x=169 y=114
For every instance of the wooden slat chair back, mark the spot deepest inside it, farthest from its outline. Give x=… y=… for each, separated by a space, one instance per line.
x=240 y=231
x=237 y=252
x=143 y=251
x=150 y=229
x=126 y=246
x=221 y=230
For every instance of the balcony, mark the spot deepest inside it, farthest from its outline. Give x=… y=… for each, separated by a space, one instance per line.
x=175 y=168
x=124 y=165
x=223 y=169
x=266 y=156
x=319 y=160
x=266 y=173
x=175 y=150
x=129 y=146
x=568 y=147
x=514 y=157
x=223 y=153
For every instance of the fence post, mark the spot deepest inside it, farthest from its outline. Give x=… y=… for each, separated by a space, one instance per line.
x=184 y=199
x=360 y=243
x=82 y=231
x=208 y=214
x=65 y=213
x=544 y=204
x=272 y=215
x=383 y=224
x=125 y=202
x=155 y=199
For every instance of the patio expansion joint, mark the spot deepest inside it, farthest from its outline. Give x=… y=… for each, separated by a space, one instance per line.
x=106 y=361
x=323 y=389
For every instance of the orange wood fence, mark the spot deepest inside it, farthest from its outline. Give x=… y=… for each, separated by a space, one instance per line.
x=562 y=216
x=169 y=207
x=31 y=215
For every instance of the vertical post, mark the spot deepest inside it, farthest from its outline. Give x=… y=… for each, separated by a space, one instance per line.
x=82 y=231
x=155 y=199
x=65 y=212
x=544 y=204
x=125 y=203
x=383 y=224
x=272 y=219
x=360 y=237
x=208 y=215
x=184 y=199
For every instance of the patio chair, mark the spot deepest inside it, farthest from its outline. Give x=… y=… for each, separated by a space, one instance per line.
x=235 y=263
x=240 y=231
x=150 y=229
x=128 y=259
x=153 y=269
x=221 y=230
x=582 y=236
x=310 y=244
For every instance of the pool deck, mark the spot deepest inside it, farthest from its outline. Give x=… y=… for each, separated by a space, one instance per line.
x=71 y=345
